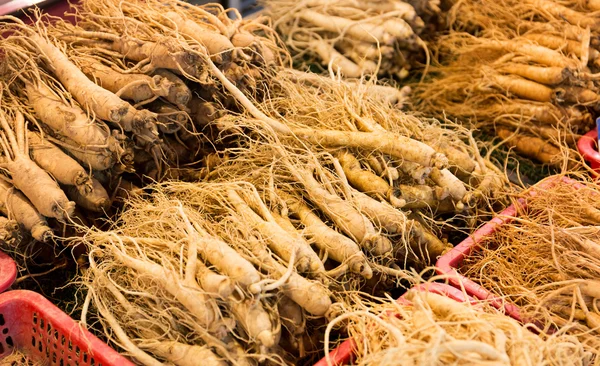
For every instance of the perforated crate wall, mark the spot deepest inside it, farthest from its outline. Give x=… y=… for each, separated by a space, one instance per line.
x=34 y=326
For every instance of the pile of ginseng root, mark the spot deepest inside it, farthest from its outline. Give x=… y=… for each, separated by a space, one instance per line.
x=547 y=260
x=244 y=265
x=526 y=71
x=91 y=108
x=429 y=329
x=356 y=38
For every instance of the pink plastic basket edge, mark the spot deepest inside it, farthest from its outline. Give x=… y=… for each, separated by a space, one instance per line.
x=64 y=323
x=8 y=271
x=344 y=353
x=585 y=145
x=448 y=263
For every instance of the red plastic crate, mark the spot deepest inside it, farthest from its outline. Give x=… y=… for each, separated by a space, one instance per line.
x=35 y=327
x=344 y=353
x=449 y=263
x=8 y=271
x=588 y=148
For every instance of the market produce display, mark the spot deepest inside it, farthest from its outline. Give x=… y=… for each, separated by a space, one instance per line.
x=431 y=329
x=524 y=69
x=222 y=206
x=355 y=37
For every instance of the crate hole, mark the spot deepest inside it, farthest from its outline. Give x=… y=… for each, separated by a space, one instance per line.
x=40 y=347
x=84 y=357
x=35 y=319
x=61 y=363
x=49 y=328
x=33 y=341
x=5 y=331
x=34 y=330
x=77 y=351
x=55 y=335
x=92 y=362
x=9 y=341
x=54 y=358
x=1 y=348
x=62 y=340
x=76 y=363
x=70 y=346
x=42 y=324
x=2 y=321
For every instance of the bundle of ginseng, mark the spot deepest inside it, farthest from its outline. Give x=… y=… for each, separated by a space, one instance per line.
x=105 y=97
x=29 y=192
x=410 y=162
x=354 y=37
x=186 y=273
x=548 y=259
x=431 y=329
x=528 y=71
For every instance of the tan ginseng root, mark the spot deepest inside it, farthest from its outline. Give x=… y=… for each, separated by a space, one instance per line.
x=261 y=326
x=366 y=181
x=356 y=38
x=234 y=227
x=214 y=283
x=547 y=259
x=423 y=196
x=259 y=40
x=423 y=244
x=544 y=75
x=170 y=118
x=344 y=214
x=218 y=45
x=67 y=121
x=88 y=141
x=135 y=87
x=351 y=109
x=157 y=256
x=61 y=166
x=95 y=199
x=338 y=247
x=292 y=318
x=103 y=103
x=311 y=295
x=178 y=93
x=290 y=248
x=16 y=206
x=429 y=329
x=166 y=53
x=43 y=192
x=531 y=146
x=331 y=58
